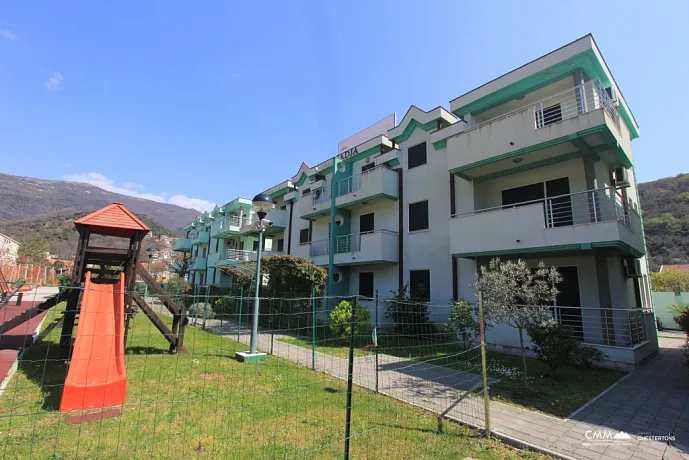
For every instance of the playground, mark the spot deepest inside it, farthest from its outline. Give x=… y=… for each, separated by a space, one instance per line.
x=101 y=371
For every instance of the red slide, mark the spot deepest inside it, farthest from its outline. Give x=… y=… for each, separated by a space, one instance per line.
x=97 y=377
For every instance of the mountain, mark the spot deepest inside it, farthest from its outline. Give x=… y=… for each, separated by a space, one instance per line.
x=55 y=233
x=27 y=197
x=665 y=204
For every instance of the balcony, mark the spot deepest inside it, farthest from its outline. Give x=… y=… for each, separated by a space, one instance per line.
x=198 y=263
x=375 y=247
x=278 y=217
x=232 y=225
x=200 y=238
x=182 y=245
x=379 y=182
x=579 y=121
x=585 y=221
x=236 y=256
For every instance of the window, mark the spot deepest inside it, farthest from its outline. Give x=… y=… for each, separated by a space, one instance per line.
x=217 y=243
x=306 y=191
x=366 y=284
x=283 y=207
x=255 y=246
x=304 y=236
x=418 y=216
x=281 y=245
x=420 y=284
x=416 y=156
x=367 y=223
x=367 y=167
x=548 y=115
x=204 y=252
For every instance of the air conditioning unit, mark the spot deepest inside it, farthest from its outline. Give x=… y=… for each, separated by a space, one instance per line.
x=612 y=94
x=620 y=177
x=631 y=268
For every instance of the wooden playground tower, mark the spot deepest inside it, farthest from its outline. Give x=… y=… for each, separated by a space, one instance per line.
x=107 y=264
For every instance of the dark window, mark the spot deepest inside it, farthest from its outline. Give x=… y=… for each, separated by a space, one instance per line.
x=204 y=252
x=366 y=223
x=418 y=216
x=304 y=236
x=241 y=245
x=283 y=207
x=305 y=192
x=558 y=206
x=318 y=177
x=420 y=284
x=217 y=243
x=368 y=167
x=366 y=284
x=255 y=246
x=281 y=244
x=215 y=271
x=416 y=156
x=549 y=115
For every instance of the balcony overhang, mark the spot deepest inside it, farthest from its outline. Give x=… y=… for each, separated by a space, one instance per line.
x=600 y=247
x=591 y=133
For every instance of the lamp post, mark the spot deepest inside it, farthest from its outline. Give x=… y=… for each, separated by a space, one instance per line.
x=262 y=203
x=150 y=252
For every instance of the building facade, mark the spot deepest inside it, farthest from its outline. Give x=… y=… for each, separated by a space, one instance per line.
x=9 y=250
x=536 y=164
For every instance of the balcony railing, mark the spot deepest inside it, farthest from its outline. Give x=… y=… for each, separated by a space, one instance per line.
x=343 y=243
x=239 y=221
x=353 y=183
x=242 y=255
x=603 y=326
x=591 y=206
x=320 y=195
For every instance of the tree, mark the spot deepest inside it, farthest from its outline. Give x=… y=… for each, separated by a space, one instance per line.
x=670 y=281
x=514 y=294
x=409 y=312
x=463 y=322
x=341 y=320
x=181 y=267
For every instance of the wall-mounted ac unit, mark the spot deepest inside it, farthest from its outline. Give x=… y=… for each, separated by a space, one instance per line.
x=632 y=268
x=620 y=177
x=612 y=94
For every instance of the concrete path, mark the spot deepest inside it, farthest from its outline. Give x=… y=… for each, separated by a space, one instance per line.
x=650 y=401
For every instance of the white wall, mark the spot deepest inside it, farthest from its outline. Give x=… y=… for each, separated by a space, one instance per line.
x=384 y=280
x=385 y=212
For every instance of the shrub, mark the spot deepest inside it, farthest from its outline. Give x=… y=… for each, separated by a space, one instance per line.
x=586 y=355
x=463 y=323
x=64 y=279
x=196 y=310
x=409 y=314
x=553 y=345
x=341 y=320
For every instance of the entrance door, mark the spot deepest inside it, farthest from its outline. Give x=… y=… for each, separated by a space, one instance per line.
x=569 y=296
x=366 y=223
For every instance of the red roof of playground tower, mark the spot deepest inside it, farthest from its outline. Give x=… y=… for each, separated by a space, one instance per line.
x=113 y=220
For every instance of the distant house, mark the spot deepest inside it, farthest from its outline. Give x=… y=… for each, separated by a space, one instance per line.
x=9 y=249
x=678 y=267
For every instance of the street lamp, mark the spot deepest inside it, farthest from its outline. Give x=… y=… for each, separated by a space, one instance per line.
x=262 y=204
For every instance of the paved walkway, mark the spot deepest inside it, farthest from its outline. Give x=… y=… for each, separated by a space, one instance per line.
x=650 y=401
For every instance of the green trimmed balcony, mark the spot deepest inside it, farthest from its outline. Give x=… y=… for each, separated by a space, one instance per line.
x=238 y=256
x=377 y=247
x=581 y=120
x=198 y=263
x=377 y=183
x=182 y=245
x=231 y=226
x=200 y=238
x=279 y=219
x=594 y=220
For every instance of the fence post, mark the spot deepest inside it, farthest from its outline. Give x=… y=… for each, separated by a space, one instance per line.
x=375 y=340
x=205 y=307
x=196 y=307
x=484 y=370
x=239 y=323
x=350 y=378
x=313 y=328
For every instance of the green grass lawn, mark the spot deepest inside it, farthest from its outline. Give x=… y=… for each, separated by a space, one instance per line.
x=206 y=404
x=558 y=395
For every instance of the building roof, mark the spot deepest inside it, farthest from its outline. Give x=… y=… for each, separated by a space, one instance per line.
x=113 y=220
x=677 y=267
x=11 y=239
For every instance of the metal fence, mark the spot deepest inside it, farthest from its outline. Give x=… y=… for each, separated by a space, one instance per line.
x=326 y=389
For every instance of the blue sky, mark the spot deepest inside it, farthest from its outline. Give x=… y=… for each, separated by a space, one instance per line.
x=197 y=103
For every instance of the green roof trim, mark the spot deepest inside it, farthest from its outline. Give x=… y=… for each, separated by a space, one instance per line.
x=411 y=126
x=441 y=144
x=281 y=192
x=587 y=61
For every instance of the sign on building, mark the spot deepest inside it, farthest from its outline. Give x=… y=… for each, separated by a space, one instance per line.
x=348 y=147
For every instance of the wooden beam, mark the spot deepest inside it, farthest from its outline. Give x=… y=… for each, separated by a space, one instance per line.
x=155 y=287
x=159 y=324
x=98 y=250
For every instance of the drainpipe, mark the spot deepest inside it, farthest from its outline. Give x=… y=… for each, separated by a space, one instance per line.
x=400 y=233
x=331 y=242
x=289 y=239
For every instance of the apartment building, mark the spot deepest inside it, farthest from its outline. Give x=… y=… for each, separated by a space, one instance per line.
x=536 y=164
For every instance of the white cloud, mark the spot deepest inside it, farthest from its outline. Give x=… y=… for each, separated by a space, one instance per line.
x=132 y=185
x=8 y=34
x=127 y=188
x=193 y=203
x=54 y=82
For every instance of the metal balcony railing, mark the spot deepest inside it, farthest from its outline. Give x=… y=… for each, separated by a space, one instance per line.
x=570 y=103
x=343 y=243
x=237 y=254
x=239 y=221
x=603 y=326
x=353 y=183
x=591 y=206
x=320 y=195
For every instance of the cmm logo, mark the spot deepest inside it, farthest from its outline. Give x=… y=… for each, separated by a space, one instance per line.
x=606 y=435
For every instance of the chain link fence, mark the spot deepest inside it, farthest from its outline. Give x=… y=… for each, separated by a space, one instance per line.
x=375 y=381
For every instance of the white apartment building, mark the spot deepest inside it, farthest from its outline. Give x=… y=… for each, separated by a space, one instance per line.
x=9 y=250
x=536 y=164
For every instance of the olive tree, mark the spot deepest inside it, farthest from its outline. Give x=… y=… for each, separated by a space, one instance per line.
x=517 y=295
